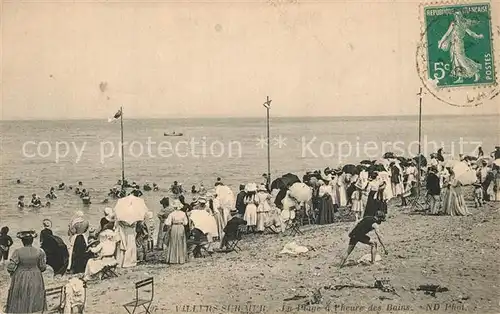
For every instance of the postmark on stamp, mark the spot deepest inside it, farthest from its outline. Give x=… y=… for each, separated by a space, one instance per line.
x=455 y=57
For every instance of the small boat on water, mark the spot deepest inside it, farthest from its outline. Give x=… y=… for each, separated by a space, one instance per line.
x=172 y=134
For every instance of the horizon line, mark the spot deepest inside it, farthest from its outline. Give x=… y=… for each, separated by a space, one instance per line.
x=252 y=117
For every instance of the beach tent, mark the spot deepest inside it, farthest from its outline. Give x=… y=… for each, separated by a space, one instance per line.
x=130 y=209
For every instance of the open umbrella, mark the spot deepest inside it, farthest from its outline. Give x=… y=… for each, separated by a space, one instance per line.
x=389 y=155
x=130 y=209
x=284 y=181
x=225 y=195
x=451 y=163
x=349 y=168
x=204 y=221
x=487 y=159
x=423 y=160
x=463 y=173
x=301 y=192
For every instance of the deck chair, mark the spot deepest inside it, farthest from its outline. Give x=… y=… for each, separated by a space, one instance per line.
x=418 y=199
x=232 y=241
x=199 y=244
x=139 y=300
x=54 y=296
x=109 y=272
x=293 y=226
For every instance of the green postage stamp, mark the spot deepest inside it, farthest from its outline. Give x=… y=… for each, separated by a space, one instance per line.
x=459 y=45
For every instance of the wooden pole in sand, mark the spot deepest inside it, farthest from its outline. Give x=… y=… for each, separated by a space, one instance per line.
x=267 y=104
x=123 y=156
x=420 y=94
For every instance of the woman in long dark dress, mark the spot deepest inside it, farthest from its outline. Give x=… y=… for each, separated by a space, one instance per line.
x=78 y=255
x=373 y=203
x=55 y=249
x=27 y=289
x=326 y=208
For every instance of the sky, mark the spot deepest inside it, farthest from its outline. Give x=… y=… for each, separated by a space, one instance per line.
x=213 y=59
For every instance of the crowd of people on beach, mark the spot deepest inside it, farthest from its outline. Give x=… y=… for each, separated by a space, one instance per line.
x=215 y=217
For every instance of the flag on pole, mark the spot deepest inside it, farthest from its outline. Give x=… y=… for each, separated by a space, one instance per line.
x=117 y=116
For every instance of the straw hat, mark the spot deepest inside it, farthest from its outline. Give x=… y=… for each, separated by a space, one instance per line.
x=251 y=187
x=202 y=200
x=176 y=204
x=47 y=223
x=92 y=241
x=27 y=234
x=109 y=214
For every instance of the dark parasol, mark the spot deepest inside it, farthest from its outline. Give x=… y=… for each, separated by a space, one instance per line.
x=349 y=169
x=57 y=254
x=423 y=160
x=389 y=155
x=284 y=181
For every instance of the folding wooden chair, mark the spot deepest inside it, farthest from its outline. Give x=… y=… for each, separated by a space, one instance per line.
x=200 y=248
x=232 y=243
x=55 y=295
x=138 y=301
x=109 y=272
x=200 y=244
x=418 y=199
x=293 y=226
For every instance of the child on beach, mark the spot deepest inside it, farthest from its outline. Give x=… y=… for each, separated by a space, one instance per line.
x=478 y=195
x=5 y=244
x=357 y=206
x=151 y=227
x=359 y=234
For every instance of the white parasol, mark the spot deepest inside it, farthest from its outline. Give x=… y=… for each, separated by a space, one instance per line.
x=225 y=195
x=464 y=174
x=451 y=163
x=204 y=221
x=130 y=209
x=301 y=192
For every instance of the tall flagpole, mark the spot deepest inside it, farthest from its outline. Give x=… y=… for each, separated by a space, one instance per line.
x=267 y=104
x=123 y=156
x=419 y=141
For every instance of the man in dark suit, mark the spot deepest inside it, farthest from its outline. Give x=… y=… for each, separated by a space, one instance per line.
x=433 y=190
x=240 y=203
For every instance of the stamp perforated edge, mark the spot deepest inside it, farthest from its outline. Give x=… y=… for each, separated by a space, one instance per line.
x=422 y=52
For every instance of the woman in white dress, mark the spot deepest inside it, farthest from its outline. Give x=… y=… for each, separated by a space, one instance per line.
x=341 y=184
x=263 y=207
x=105 y=252
x=334 y=190
x=127 y=247
x=387 y=194
x=251 y=203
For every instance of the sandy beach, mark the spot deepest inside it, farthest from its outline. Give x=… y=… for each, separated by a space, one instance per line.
x=459 y=253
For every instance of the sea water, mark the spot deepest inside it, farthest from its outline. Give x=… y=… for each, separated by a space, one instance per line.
x=43 y=154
